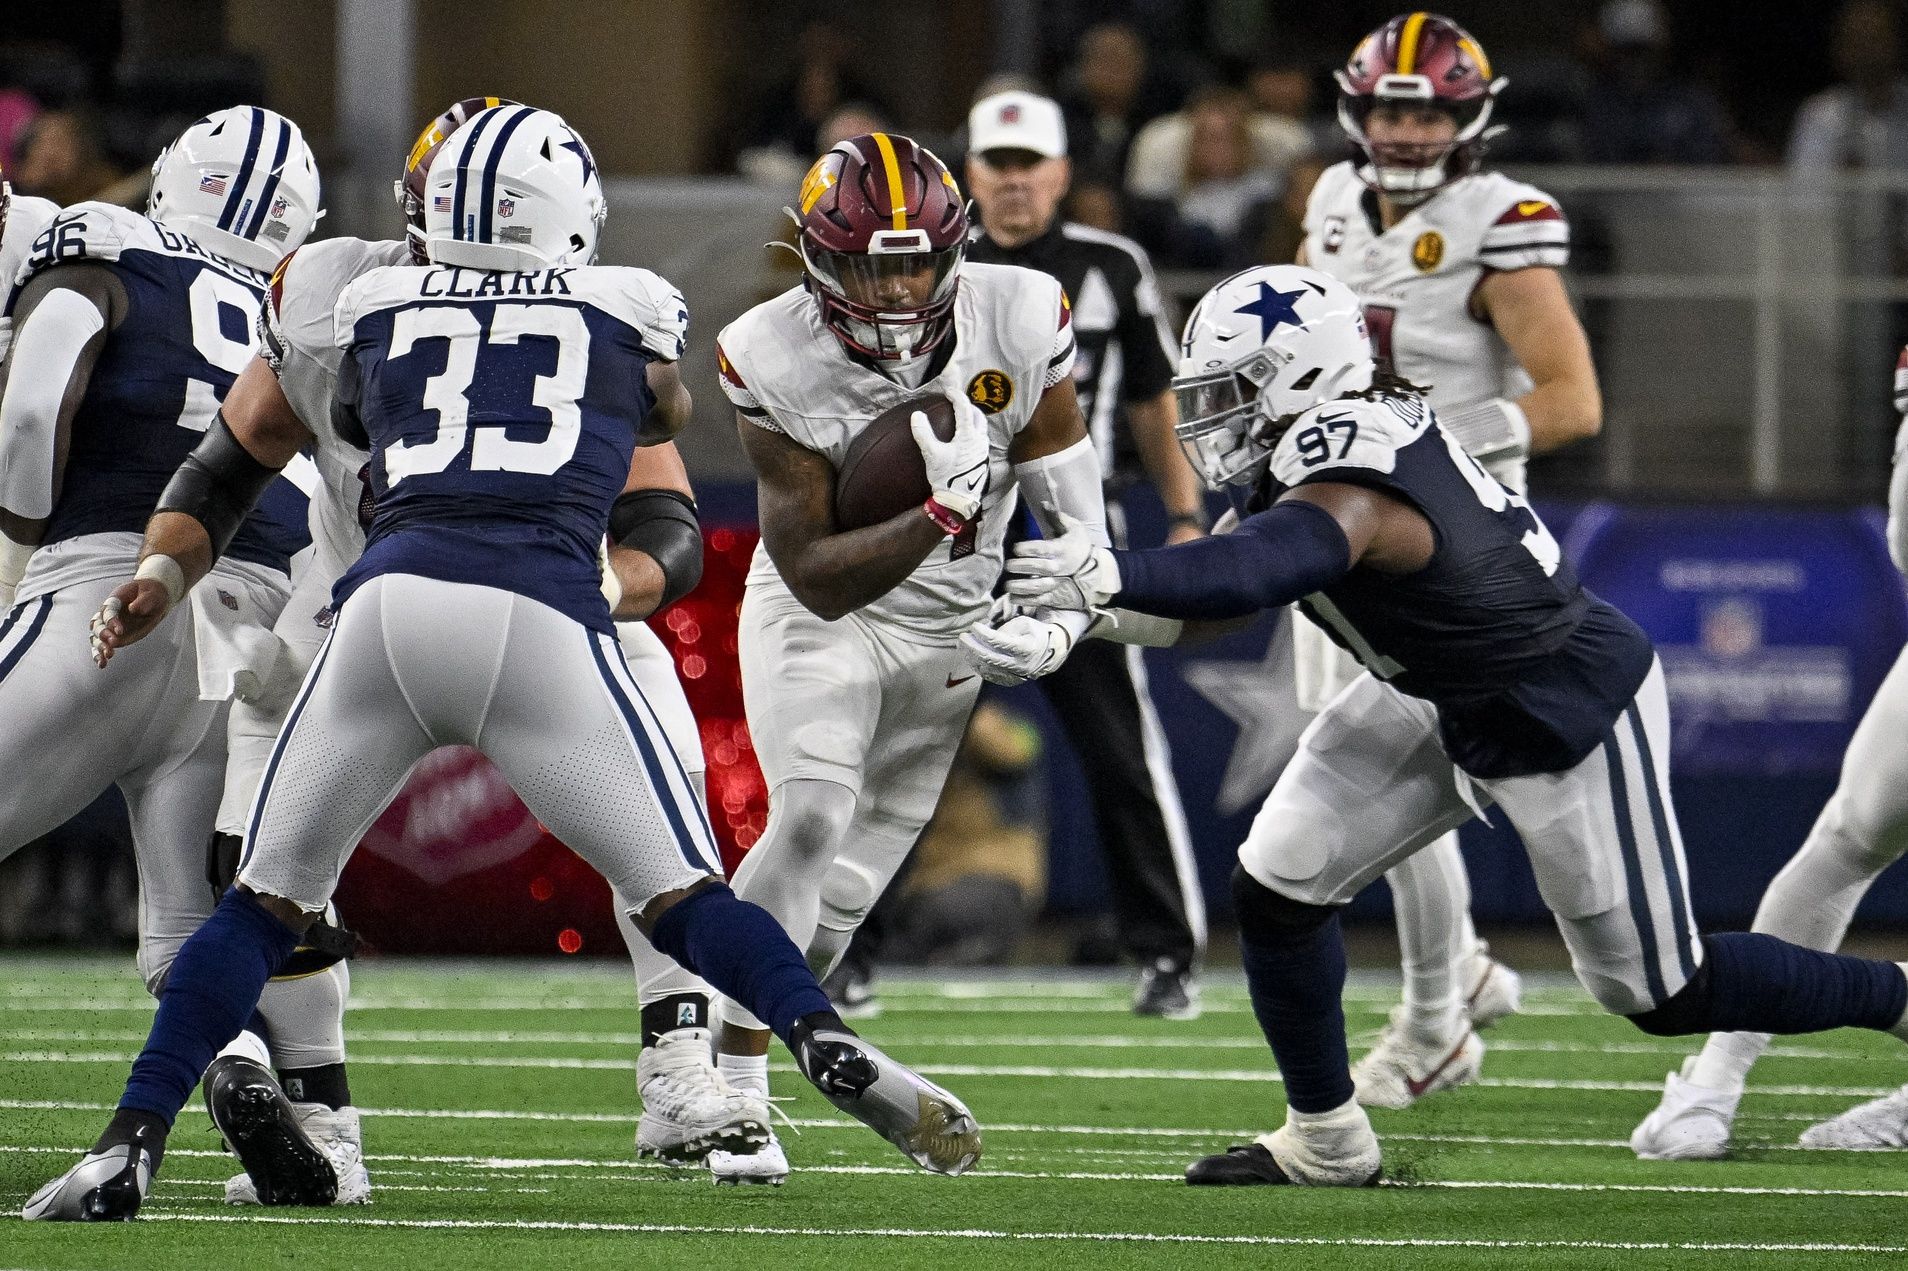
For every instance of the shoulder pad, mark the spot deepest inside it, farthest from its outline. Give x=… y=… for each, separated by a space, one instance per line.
x=88 y=231
x=752 y=356
x=388 y=284
x=646 y=301
x=1349 y=433
x=1527 y=228
x=304 y=292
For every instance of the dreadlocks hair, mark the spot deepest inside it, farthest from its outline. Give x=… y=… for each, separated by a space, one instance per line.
x=1388 y=383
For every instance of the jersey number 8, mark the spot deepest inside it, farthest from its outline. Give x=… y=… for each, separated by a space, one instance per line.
x=447 y=393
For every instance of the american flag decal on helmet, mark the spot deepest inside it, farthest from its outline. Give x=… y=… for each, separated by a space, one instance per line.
x=211 y=183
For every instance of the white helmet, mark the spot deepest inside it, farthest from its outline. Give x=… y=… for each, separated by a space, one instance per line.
x=513 y=189
x=1262 y=347
x=241 y=183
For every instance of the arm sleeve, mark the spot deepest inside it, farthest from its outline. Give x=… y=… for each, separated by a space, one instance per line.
x=42 y=362
x=1290 y=550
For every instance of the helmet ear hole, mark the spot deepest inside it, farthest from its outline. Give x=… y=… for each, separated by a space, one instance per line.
x=1306 y=380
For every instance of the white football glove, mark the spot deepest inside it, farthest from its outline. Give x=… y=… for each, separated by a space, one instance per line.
x=1071 y=571
x=956 y=469
x=1021 y=648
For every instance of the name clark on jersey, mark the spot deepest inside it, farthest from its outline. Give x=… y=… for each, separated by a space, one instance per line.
x=473 y=284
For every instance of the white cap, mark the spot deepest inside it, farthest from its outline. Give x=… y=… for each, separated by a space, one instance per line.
x=1017 y=121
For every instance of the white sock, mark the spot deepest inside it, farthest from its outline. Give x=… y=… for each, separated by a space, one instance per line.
x=745 y=1072
x=249 y=1045
x=1726 y=1058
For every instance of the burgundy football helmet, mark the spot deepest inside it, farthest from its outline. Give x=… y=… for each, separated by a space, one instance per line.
x=883 y=234
x=409 y=188
x=1424 y=59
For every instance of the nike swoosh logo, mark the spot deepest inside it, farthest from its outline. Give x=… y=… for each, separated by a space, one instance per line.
x=1417 y=1088
x=954 y=683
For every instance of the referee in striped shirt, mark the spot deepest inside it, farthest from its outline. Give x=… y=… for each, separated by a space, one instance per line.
x=1017 y=173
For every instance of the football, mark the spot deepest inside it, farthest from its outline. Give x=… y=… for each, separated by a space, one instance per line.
x=882 y=475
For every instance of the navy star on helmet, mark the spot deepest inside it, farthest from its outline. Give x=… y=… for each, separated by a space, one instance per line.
x=1274 y=308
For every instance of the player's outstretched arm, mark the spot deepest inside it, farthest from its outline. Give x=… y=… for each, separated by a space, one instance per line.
x=1303 y=543
x=655 y=540
x=832 y=572
x=1531 y=310
x=254 y=435
x=62 y=320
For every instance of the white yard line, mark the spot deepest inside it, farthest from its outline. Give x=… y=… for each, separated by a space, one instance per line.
x=1042 y=1071
x=1144 y=1237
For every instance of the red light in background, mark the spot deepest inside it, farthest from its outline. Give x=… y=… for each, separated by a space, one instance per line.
x=570 y=940
x=541 y=889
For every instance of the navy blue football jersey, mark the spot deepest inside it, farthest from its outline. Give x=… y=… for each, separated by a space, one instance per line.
x=501 y=411
x=186 y=335
x=1527 y=669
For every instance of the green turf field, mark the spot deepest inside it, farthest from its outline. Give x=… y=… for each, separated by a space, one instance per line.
x=500 y=1105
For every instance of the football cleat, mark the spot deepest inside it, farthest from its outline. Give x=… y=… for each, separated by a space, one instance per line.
x=1337 y=1150
x=1403 y=1067
x=264 y=1130
x=339 y=1135
x=1495 y=989
x=1692 y=1123
x=1167 y=989
x=930 y=1126
x=105 y=1186
x=1874 y=1126
x=689 y=1107
x=766 y=1166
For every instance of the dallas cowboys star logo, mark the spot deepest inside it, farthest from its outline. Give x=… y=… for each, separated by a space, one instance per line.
x=1274 y=309
x=583 y=153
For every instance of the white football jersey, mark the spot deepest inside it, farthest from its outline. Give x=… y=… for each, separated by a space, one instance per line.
x=26 y=217
x=295 y=331
x=1013 y=339
x=1418 y=278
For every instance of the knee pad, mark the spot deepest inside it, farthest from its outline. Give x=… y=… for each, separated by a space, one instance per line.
x=1266 y=913
x=1684 y=1012
x=848 y=891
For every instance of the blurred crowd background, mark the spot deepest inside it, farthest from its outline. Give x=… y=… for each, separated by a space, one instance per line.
x=1735 y=174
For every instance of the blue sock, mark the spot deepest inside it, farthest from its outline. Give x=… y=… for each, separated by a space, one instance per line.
x=1756 y=983
x=1294 y=958
x=743 y=952
x=210 y=993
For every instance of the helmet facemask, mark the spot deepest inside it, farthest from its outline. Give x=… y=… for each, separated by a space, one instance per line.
x=894 y=302
x=1411 y=172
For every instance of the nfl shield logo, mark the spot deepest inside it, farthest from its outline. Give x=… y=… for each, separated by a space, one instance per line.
x=506 y=207
x=279 y=205
x=1010 y=114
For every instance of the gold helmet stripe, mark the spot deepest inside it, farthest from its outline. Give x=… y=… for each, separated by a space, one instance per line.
x=1408 y=43
x=897 y=199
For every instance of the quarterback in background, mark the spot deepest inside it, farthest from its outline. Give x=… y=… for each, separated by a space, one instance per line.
x=1457 y=269
x=856 y=672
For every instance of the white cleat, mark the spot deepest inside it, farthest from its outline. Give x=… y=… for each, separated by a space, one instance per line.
x=1332 y=1149
x=766 y=1166
x=1403 y=1068
x=105 y=1186
x=1875 y=1126
x=1692 y=1123
x=1495 y=990
x=689 y=1107
x=929 y=1125
x=339 y=1134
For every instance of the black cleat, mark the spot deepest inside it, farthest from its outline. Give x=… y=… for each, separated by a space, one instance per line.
x=1242 y=1165
x=1167 y=989
x=262 y=1129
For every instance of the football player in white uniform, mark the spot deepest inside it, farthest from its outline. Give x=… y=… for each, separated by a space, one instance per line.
x=1458 y=272
x=129 y=330
x=686 y=1105
x=22 y=217
x=856 y=675
x=1862 y=830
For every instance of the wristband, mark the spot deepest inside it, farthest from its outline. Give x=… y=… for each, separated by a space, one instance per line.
x=950 y=521
x=166 y=572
